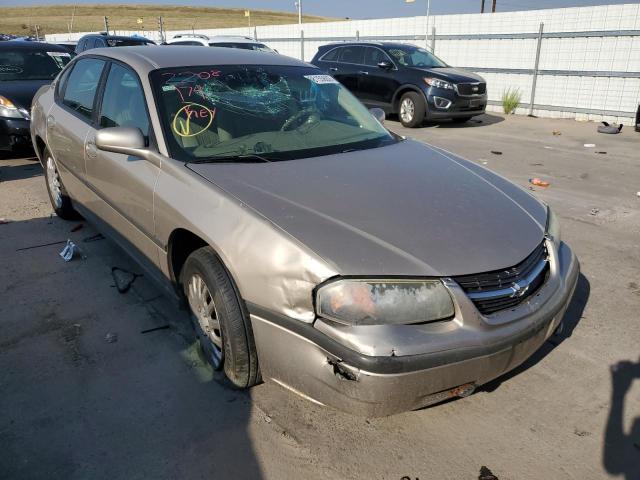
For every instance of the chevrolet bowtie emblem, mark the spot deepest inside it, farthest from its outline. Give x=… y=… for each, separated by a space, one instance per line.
x=518 y=290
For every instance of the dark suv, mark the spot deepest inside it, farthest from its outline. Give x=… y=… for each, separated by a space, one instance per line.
x=404 y=79
x=98 y=40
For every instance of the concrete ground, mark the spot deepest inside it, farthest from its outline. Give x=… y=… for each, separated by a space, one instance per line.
x=87 y=391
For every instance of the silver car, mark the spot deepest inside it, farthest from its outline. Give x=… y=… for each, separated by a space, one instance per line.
x=313 y=247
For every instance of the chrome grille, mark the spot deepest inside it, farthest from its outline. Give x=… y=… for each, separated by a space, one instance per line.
x=502 y=289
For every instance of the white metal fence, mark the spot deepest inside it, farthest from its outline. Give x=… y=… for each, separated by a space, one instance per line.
x=589 y=60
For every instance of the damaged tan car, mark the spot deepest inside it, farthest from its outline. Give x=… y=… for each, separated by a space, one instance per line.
x=314 y=248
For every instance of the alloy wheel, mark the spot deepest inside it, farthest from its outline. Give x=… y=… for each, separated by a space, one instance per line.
x=407 y=110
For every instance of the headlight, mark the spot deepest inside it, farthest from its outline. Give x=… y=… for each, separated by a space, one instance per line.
x=383 y=302
x=553 y=227
x=437 y=83
x=9 y=110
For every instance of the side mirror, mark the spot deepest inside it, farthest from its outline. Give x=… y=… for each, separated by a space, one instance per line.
x=124 y=140
x=378 y=114
x=385 y=65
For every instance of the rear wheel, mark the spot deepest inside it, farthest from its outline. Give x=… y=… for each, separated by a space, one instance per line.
x=219 y=318
x=412 y=110
x=60 y=201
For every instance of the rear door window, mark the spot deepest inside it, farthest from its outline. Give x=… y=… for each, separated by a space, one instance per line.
x=82 y=84
x=373 y=56
x=352 y=55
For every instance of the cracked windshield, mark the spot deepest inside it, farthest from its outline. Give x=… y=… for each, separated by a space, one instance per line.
x=262 y=113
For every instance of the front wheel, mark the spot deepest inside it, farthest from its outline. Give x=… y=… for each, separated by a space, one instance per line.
x=58 y=197
x=219 y=318
x=412 y=110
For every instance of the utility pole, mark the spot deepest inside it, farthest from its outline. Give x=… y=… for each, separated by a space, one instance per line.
x=493 y=8
x=299 y=5
x=106 y=24
x=426 y=32
x=161 y=29
x=481 y=6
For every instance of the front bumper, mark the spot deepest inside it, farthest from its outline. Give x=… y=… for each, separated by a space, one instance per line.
x=321 y=367
x=460 y=106
x=14 y=134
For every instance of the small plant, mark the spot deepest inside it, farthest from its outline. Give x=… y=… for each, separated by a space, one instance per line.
x=511 y=99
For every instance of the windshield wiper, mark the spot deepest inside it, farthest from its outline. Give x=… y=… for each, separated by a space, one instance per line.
x=249 y=158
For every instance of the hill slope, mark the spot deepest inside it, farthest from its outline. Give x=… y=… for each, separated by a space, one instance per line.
x=57 y=18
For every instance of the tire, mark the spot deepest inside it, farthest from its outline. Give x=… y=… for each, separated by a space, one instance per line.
x=412 y=110
x=220 y=318
x=58 y=197
x=461 y=119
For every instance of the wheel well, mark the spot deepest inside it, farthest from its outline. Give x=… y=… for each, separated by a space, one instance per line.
x=40 y=146
x=182 y=243
x=400 y=93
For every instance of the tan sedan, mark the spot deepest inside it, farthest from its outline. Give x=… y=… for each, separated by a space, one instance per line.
x=313 y=247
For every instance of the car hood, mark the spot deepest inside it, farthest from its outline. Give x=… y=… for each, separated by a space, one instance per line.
x=405 y=209
x=455 y=75
x=21 y=92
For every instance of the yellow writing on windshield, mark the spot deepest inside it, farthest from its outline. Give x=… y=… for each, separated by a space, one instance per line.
x=192 y=120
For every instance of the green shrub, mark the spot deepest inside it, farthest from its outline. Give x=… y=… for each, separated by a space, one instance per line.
x=511 y=99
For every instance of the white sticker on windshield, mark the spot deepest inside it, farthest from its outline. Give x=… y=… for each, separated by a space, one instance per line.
x=58 y=54
x=168 y=88
x=321 y=79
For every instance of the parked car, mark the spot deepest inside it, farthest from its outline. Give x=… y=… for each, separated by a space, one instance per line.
x=70 y=45
x=98 y=40
x=313 y=247
x=405 y=80
x=246 y=43
x=24 y=68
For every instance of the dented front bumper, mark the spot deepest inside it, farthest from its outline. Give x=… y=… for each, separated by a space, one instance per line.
x=328 y=366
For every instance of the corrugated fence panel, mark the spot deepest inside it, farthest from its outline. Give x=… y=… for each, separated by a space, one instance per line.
x=589 y=63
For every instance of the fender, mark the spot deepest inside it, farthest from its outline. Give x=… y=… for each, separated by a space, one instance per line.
x=401 y=90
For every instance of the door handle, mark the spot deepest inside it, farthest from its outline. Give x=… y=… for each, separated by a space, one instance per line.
x=363 y=72
x=333 y=69
x=51 y=121
x=90 y=149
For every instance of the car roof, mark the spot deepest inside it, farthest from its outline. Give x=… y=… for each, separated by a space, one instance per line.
x=368 y=43
x=28 y=45
x=146 y=59
x=116 y=37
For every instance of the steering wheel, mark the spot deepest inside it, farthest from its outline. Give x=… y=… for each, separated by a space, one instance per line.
x=308 y=115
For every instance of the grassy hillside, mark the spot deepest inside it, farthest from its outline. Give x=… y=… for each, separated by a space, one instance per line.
x=56 y=18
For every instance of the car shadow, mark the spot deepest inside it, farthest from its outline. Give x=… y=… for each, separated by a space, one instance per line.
x=621 y=451
x=570 y=321
x=20 y=172
x=484 y=120
x=102 y=384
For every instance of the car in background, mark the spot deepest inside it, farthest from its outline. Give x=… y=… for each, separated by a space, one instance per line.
x=245 y=43
x=24 y=68
x=69 y=45
x=313 y=247
x=404 y=79
x=98 y=40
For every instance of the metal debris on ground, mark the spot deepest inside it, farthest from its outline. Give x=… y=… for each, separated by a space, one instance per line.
x=557 y=133
x=589 y=145
x=41 y=245
x=594 y=211
x=93 y=238
x=123 y=278
x=610 y=129
x=69 y=251
x=601 y=152
x=486 y=474
x=111 y=337
x=538 y=182
x=77 y=227
x=496 y=152
x=163 y=327
x=547 y=147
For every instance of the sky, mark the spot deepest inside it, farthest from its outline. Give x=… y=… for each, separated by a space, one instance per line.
x=356 y=8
